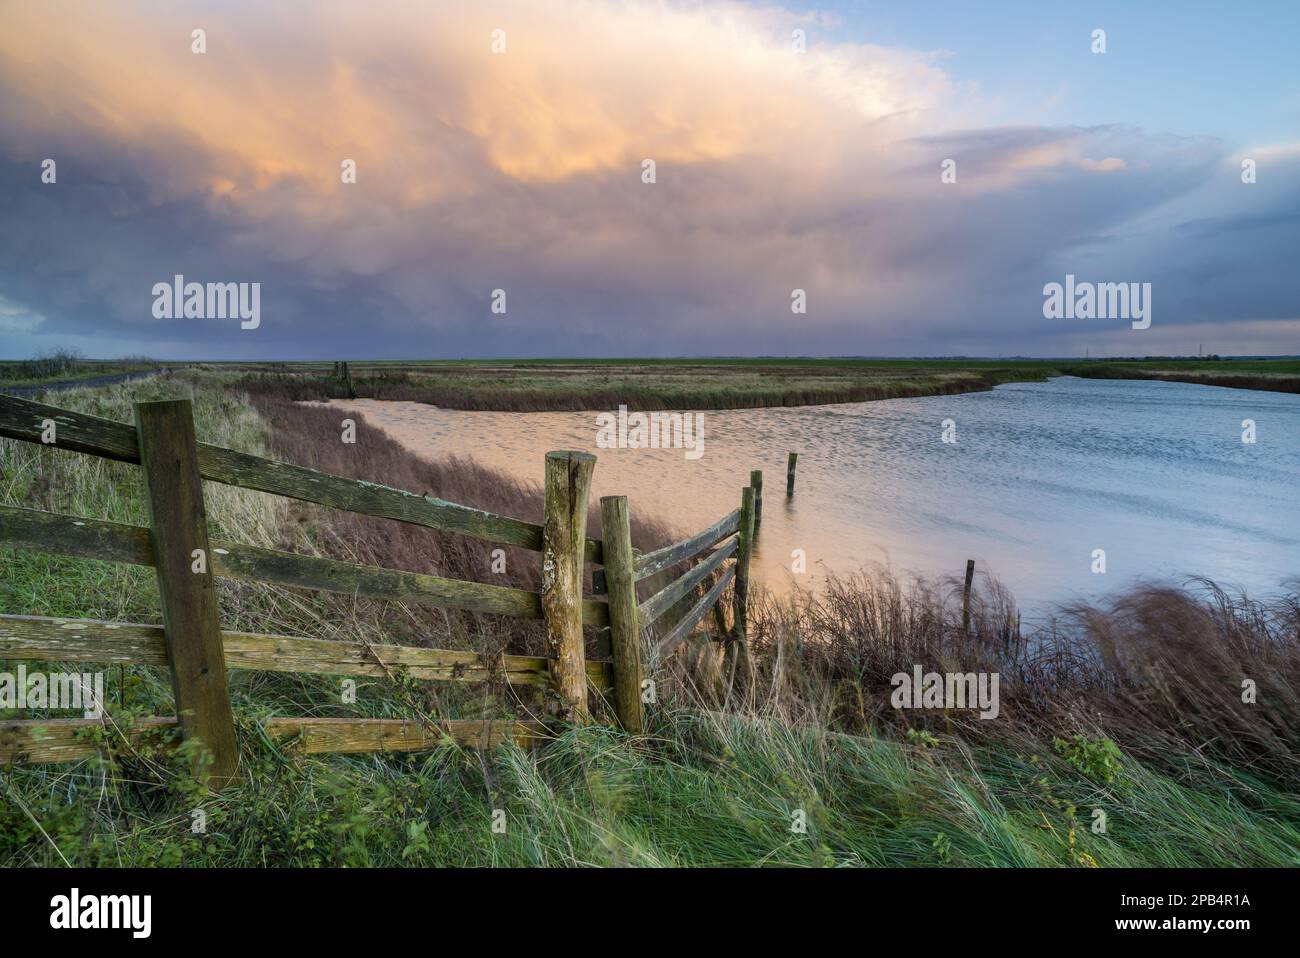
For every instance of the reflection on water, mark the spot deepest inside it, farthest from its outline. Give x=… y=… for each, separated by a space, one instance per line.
x=1041 y=475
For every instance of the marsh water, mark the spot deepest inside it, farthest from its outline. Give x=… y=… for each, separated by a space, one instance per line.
x=1040 y=475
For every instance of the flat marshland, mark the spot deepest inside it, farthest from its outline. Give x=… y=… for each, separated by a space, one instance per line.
x=649 y=384
x=1133 y=708
x=528 y=385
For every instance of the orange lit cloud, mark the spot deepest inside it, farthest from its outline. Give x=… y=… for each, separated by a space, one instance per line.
x=580 y=89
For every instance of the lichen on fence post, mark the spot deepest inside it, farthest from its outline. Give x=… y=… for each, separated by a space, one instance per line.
x=564 y=531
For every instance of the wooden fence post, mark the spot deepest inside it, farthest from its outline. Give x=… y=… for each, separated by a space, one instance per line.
x=178 y=529
x=564 y=534
x=719 y=613
x=736 y=653
x=789 y=474
x=740 y=592
x=624 y=622
x=965 y=595
x=756 y=480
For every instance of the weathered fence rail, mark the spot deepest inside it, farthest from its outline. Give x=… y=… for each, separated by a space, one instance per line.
x=117 y=542
x=197 y=651
x=27 y=420
x=68 y=740
x=48 y=639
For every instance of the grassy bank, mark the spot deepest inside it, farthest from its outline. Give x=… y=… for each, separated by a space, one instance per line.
x=1268 y=374
x=701 y=790
x=1132 y=710
x=713 y=384
x=63 y=366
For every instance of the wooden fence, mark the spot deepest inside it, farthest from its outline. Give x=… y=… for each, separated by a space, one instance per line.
x=197 y=651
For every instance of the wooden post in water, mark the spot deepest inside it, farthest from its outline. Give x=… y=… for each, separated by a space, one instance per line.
x=789 y=474
x=178 y=530
x=624 y=623
x=756 y=480
x=965 y=595
x=564 y=534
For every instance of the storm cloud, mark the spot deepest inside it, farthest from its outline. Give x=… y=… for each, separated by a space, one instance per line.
x=521 y=170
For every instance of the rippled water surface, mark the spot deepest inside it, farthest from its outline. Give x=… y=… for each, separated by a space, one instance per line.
x=1041 y=474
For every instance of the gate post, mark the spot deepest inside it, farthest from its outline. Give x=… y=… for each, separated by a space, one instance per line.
x=564 y=535
x=178 y=530
x=736 y=653
x=624 y=621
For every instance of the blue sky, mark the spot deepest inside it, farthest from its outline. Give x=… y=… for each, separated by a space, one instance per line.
x=1227 y=69
x=522 y=169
